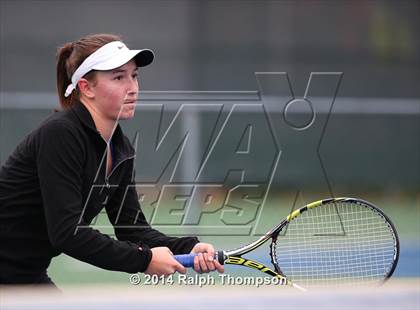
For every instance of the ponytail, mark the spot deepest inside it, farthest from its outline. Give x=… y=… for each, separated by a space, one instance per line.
x=63 y=78
x=70 y=56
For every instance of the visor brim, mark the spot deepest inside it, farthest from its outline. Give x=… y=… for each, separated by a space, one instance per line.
x=141 y=57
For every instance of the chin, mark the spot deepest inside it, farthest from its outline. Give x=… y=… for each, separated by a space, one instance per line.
x=126 y=115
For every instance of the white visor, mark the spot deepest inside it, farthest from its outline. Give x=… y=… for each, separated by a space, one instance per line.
x=110 y=56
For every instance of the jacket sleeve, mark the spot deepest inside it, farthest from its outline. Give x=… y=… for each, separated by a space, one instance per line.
x=60 y=156
x=129 y=222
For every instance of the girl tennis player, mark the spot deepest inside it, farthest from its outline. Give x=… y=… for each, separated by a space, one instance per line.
x=76 y=163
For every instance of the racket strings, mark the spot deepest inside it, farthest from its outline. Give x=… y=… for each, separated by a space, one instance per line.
x=337 y=243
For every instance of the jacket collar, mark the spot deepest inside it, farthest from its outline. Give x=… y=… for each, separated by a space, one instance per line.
x=84 y=115
x=122 y=146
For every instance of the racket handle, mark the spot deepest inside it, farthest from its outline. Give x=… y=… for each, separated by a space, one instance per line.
x=187 y=260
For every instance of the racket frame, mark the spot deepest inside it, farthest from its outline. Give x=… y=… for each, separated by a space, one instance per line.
x=234 y=257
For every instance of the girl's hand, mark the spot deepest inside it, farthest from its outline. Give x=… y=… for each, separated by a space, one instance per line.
x=204 y=261
x=163 y=263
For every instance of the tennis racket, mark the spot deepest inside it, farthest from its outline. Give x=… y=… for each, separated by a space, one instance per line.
x=335 y=241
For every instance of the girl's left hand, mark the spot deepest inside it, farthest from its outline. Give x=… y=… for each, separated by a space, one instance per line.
x=204 y=261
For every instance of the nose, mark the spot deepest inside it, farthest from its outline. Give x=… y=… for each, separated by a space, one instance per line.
x=133 y=87
x=134 y=84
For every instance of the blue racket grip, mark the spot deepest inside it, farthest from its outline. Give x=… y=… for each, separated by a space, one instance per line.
x=186 y=260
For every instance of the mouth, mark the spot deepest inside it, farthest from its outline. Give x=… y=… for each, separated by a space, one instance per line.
x=130 y=101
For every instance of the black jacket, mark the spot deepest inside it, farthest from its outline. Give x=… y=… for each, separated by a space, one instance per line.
x=54 y=185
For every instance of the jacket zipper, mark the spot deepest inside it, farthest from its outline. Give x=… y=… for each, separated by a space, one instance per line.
x=113 y=169
x=107 y=176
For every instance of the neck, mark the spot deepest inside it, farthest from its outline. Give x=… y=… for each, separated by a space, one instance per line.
x=104 y=126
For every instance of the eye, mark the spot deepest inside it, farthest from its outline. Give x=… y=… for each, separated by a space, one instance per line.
x=118 y=77
x=135 y=75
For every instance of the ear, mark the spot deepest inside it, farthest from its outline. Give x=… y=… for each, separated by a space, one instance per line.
x=86 y=88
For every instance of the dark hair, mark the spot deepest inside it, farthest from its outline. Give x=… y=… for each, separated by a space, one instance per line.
x=70 y=56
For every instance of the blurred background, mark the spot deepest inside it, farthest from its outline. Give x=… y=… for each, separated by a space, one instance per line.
x=370 y=145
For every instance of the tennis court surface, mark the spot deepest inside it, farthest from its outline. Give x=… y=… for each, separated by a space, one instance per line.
x=397 y=294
